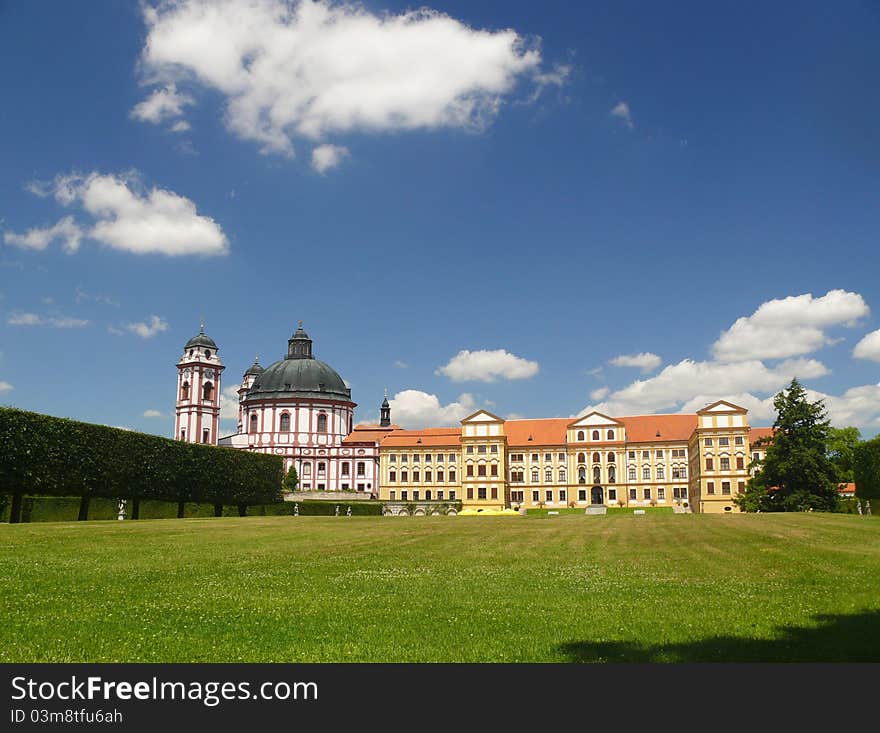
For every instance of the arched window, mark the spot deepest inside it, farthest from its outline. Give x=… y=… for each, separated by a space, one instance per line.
x=184 y=391
x=582 y=458
x=582 y=475
x=253 y=423
x=580 y=434
x=597 y=475
x=610 y=435
x=307 y=469
x=207 y=354
x=285 y=422
x=322 y=423
x=534 y=475
x=595 y=435
x=610 y=458
x=207 y=391
x=596 y=458
x=612 y=475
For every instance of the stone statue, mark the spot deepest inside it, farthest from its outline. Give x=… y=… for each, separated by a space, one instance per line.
x=296 y=509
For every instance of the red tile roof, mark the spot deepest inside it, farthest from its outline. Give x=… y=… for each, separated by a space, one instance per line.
x=756 y=434
x=847 y=489
x=547 y=431
x=426 y=437
x=645 y=428
x=367 y=433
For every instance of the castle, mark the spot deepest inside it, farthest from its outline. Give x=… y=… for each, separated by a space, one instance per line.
x=301 y=409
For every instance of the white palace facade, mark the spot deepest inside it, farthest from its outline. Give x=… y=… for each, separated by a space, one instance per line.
x=299 y=408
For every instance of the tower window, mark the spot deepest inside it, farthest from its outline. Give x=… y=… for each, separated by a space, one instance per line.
x=205 y=435
x=322 y=423
x=207 y=354
x=208 y=391
x=285 y=423
x=183 y=434
x=253 y=424
x=184 y=391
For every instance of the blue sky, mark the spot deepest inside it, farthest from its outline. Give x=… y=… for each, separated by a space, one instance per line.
x=557 y=186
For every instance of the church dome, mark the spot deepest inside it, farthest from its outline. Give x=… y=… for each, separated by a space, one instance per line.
x=255 y=369
x=200 y=340
x=300 y=375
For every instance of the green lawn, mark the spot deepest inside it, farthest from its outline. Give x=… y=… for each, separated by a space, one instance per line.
x=658 y=587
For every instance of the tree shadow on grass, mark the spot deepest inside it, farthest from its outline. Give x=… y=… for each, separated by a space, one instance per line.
x=837 y=638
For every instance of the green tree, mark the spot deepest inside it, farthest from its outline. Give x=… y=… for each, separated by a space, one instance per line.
x=842 y=443
x=291 y=480
x=866 y=470
x=796 y=473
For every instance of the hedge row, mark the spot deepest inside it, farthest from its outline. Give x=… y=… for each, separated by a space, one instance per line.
x=59 y=457
x=318 y=507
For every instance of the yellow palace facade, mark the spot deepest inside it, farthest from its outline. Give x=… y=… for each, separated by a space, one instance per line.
x=698 y=461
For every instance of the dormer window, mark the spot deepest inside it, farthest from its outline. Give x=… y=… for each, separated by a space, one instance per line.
x=595 y=435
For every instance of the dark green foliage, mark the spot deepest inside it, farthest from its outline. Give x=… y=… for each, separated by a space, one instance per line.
x=866 y=470
x=796 y=473
x=842 y=443
x=45 y=455
x=291 y=480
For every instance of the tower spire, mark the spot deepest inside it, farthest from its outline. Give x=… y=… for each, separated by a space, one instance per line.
x=385 y=413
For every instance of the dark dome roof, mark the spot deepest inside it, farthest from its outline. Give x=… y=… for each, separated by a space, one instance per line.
x=200 y=340
x=300 y=378
x=254 y=368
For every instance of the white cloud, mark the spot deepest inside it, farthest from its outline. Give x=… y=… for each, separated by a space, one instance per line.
x=868 y=347
x=153 y=413
x=599 y=394
x=401 y=364
x=789 y=326
x=414 y=409
x=646 y=361
x=858 y=406
x=5 y=386
x=161 y=105
x=146 y=329
x=314 y=68
x=678 y=383
x=82 y=296
x=66 y=229
x=127 y=216
x=326 y=157
x=180 y=126
x=19 y=318
x=229 y=402
x=487 y=366
x=761 y=411
x=621 y=110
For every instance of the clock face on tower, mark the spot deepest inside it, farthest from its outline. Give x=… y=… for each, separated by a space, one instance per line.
x=209 y=373
x=187 y=372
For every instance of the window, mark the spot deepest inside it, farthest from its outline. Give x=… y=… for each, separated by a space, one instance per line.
x=659 y=453
x=582 y=475
x=417 y=458
x=183 y=434
x=516 y=456
x=582 y=458
x=481 y=469
x=469 y=450
x=597 y=475
x=361 y=469
x=610 y=435
x=562 y=495
x=392 y=495
x=595 y=435
x=646 y=473
x=548 y=495
x=404 y=495
x=493 y=448
x=632 y=494
x=596 y=458
x=345 y=468
x=469 y=471
x=725 y=463
x=707 y=441
x=534 y=475
x=740 y=463
x=440 y=495
x=646 y=493
x=205 y=434
x=427 y=457
x=738 y=440
x=631 y=473
x=428 y=495
x=322 y=467
x=439 y=458
x=415 y=495
x=562 y=475
x=322 y=423
x=415 y=476
x=493 y=469
x=740 y=486
x=548 y=457
x=536 y=497
x=184 y=391
x=725 y=487
x=661 y=473
x=646 y=455
x=404 y=476
x=710 y=487
x=724 y=441
x=612 y=494
x=582 y=494
x=534 y=457
x=494 y=492
x=580 y=435
x=440 y=475
x=307 y=469
x=612 y=475
x=392 y=458
x=451 y=458
x=253 y=424
x=709 y=464
x=661 y=494
x=632 y=455
x=208 y=392
x=470 y=492
x=284 y=425
x=404 y=458
x=428 y=475
x=392 y=476
x=481 y=449
x=451 y=477
x=611 y=458
x=548 y=476
x=452 y=495
x=756 y=456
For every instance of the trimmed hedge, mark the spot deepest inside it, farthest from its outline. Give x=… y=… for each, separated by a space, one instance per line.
x=318 y=507
x=54 y=456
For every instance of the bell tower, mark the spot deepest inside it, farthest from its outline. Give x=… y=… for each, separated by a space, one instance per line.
x=198 y=391
x=385 y=413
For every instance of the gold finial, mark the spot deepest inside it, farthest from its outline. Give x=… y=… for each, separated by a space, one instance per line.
x=257 y=357
x=202 y=325
x=300 y=323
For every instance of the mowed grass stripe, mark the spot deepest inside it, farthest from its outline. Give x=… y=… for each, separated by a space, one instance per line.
x=327 y=589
